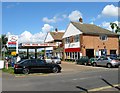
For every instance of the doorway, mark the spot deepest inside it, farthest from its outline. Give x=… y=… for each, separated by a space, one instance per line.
x=112 y=51
x=90 y=53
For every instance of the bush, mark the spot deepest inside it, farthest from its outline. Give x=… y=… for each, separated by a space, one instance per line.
x=9 y=70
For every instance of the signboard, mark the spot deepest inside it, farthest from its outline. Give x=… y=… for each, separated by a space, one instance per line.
x=45 y=44
x=13 y=43
x=12 y=38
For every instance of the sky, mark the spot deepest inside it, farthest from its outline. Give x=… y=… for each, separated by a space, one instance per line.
x=32 y=20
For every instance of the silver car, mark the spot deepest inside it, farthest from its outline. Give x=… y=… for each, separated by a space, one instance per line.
x=55 y=60
x=106 y=61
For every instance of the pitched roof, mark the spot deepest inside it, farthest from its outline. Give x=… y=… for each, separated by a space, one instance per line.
x=57 y=35
x=92 y=29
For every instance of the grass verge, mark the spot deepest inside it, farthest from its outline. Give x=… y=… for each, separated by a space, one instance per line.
x=9 y=70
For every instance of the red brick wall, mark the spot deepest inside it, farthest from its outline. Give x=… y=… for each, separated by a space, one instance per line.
x=94 y=42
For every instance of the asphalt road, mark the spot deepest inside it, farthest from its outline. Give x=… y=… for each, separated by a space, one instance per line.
x=92 y=79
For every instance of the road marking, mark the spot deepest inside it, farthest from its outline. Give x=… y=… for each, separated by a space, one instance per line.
x=105 y=87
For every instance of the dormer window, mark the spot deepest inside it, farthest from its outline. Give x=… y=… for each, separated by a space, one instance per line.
x=103 y=37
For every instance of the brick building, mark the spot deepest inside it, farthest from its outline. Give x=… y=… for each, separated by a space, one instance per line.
x=88 y=40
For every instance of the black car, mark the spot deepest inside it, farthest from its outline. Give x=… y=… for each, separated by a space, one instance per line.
x=30 y=65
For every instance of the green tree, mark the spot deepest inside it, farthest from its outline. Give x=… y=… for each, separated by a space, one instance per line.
x=115 y=26
x=4 y=40
x=117 y=29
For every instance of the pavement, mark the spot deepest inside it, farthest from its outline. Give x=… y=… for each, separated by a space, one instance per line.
x=72 y=74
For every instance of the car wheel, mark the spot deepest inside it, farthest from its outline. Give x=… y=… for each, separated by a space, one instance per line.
x=109 y=65
x=25 y=71
x=94 y=64
x=55 y=70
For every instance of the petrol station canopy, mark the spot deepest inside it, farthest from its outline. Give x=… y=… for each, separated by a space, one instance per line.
x=35 y=45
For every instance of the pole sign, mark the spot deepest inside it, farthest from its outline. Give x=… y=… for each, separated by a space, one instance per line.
x=13 y=43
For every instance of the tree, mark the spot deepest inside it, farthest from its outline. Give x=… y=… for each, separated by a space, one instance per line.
x=113 y=26
x=117 y=29
x=4 y=40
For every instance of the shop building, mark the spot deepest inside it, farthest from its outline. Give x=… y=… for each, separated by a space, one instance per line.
x=54 y=37
x=88 y=40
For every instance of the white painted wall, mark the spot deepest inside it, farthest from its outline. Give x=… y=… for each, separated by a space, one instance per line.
x=73 y=45
x=71 y=30
x=49 y=38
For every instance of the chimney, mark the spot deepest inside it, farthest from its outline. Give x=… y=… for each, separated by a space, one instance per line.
x=80 y=20
x=56 y=30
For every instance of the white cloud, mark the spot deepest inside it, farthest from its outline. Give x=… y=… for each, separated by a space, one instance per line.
x=75 y=15
x=47 y=28
x=92 y=23
x=27 y=37
x=110 y=10
x=8 y=33
x=47 y=20
x=52 y=20
x=106 y=25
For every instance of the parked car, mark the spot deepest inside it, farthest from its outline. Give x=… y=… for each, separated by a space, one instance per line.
x=106 y=61
x=30 y=65
x=91 y=60
x=56 y=60
x=49 y=60
x=83 y=60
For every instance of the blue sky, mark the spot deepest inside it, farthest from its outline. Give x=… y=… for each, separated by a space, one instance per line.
x=37 y=18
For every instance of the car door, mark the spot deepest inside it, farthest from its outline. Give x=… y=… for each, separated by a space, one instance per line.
x=99 y=61
x=105 y=61
x=42 y=65
x=33 y=64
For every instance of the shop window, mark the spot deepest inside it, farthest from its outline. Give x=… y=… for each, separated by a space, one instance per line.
x=70 y=55
x=112 y=51
x=103 y=51
x=78 y=55
x=73 y=55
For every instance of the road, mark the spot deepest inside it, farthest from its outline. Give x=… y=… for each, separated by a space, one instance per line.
x=70 y=79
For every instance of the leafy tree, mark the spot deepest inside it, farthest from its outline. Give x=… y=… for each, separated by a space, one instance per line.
x=113 y=25
x=4 y=40
x=117 y=29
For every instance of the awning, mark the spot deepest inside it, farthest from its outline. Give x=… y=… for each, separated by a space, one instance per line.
x=72 y=50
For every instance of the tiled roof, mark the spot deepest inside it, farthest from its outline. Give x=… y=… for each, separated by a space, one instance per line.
x=92 y=29
x=57 y=35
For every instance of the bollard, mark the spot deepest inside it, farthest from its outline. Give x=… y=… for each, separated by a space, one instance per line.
x=6 y=65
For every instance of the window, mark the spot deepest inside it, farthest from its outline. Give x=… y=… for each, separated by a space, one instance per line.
x=103 y=37
x=67 y=40
x=76 y=38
